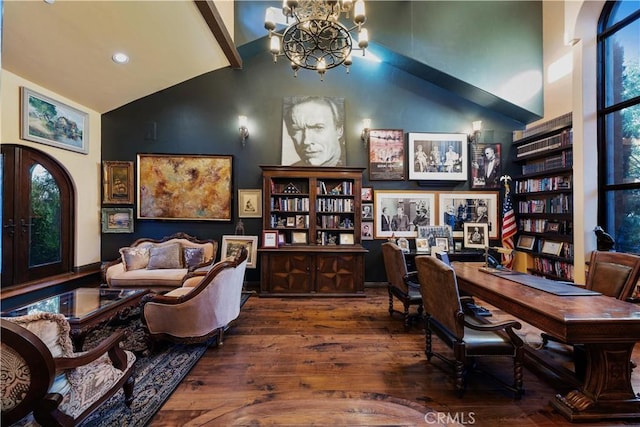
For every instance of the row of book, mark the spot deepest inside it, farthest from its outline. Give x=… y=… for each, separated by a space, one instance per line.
x=563 y=139
x=558 y=122
x=290 y=204
x=529 y=225
x=334 y=221
x=557 y=205
x=552 y=183
x=344 y=188
x=561 y=161
x=560 y=269
x=335 y=205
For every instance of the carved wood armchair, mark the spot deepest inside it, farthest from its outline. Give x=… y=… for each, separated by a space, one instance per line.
x=41 y=373
x=469 y=337
x=402 y=284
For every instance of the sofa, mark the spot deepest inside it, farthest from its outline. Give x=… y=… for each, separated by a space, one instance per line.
x=159 y=265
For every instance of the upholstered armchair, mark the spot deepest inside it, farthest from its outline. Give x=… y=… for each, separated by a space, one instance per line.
x=41 y=373
x=202 y=307
x=470 y=338
x=402 y=284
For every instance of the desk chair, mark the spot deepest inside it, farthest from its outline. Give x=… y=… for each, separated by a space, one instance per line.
x=469 y=337
x=401 y=283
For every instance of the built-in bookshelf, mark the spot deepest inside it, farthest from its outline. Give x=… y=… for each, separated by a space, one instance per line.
x=543 y=197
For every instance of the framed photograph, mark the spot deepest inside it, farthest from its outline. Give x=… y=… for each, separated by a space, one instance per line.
x=51 y=122
x=400 y=213
x=367 y=211
x=299 y=237
x=433 y=232
x=480 y=206
x=281 y=239
x=366 y=194
x=301 y=221
x=366 y=232
x=552 y=227
x=291 y=221
x=403 y=244
x=526 y=242
x=422 y=245
x=442 y=243
x=551 y=248
x=185 y=187
x=386 y=155
x=438 y=156
x=270 y=239
x=325 y=115
x=117 y=220
x=250 y=203
x=117 y=183
x=485 y=166
x=232 y=244
x=346 y=238
x=476 y=235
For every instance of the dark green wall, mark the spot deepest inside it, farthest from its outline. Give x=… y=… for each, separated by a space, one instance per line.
x=199 y=116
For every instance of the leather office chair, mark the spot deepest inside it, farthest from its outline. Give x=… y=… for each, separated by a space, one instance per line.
x=468 y=336
x=41 y=373
x=401 y=283
x=203 y=307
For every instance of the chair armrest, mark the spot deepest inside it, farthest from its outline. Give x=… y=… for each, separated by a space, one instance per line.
x=497 y=326
x=105 y=266
x=411 y=280
x=193 y=268
x=110 y=345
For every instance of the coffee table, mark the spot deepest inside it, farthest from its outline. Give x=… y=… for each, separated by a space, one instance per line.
x=85 y=308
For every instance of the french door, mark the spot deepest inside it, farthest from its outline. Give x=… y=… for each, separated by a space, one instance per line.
x=37 y=216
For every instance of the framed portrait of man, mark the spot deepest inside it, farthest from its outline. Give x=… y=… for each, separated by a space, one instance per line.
x=485 y=166
x=313 y=131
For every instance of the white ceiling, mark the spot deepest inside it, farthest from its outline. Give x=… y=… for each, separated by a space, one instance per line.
x=67 y=46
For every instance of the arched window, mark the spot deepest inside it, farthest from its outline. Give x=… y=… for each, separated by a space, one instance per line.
x=619 y=123
x=37 y=216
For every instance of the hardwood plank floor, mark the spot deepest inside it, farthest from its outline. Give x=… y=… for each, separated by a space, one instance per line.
x=317 y=361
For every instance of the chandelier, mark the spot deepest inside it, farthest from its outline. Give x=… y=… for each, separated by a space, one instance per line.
x=317 y=40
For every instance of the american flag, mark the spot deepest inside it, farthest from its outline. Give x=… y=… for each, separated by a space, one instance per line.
x=508 y=223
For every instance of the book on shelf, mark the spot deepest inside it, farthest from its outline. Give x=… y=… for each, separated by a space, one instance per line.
x=559 y=122
x=565 y=138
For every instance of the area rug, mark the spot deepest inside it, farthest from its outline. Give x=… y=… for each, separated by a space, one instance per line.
x=157 y=374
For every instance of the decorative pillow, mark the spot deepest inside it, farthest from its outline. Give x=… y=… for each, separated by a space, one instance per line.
x=134 y=258
x=193 y=256
x=165 y=256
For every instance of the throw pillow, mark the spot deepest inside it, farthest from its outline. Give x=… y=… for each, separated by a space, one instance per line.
x=134 y=258
x=193 y=256
x=166 y=256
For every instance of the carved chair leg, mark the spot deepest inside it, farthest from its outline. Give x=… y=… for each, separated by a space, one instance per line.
x=517 y=376
x=459 y=377
x=390 y=302
x=420 y=309
x=427 y=347
x=128 y=390
x=406 y=317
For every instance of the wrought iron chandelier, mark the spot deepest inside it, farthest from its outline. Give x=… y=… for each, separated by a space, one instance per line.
x=317 y=40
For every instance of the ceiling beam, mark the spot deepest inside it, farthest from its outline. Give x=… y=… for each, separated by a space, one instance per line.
x=215 y=23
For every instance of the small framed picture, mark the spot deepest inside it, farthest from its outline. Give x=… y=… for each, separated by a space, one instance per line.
x=403 y=244
x=117 y=220
x=551 y=248
x=422 y=245
x=476 y=235
x=117 y=183
x=367 y=211
x=367 y=194
x=250 y=203
x=442 y=243
x=526 y=242
x=299 y=237
x=269 y=239
x=232 y=244
x=291 y=221
x=346 y=238
x=366 y=231
x=301 y=221
x=552 y=227
x=281 y=239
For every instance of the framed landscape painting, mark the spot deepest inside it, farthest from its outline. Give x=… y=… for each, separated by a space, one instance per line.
x=117 y=220
x=184 y=187
x=438 y=156
x=51 y=122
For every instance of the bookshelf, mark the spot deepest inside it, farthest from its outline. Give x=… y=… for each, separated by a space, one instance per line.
x=316 y=212
x=543 y=197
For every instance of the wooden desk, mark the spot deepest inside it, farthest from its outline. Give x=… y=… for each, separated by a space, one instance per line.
x=608 y=328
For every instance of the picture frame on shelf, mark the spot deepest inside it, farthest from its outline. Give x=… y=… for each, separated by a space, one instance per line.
x=117 y=220
x=250 y=203
x=183 y=187
x=438 y=156
x=386 y=155
x=47 y=121
x=422 y=245
x=418 y=208
x=403 y=244
x=346 y=239
x=117 y=183
x=270 y=239
x=299 y=237
x=552 y=227
x=232 y=244
x=526 y=242
x=366 y=194
x=282 y=239
x=486 y=167
x=476 y=235
x=291 y=221
x=432 y=232
x=456 y=208
x=442 y=243
x=550 y=247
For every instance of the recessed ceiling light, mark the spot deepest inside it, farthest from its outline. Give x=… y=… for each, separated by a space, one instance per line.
x=120 y=58
x=49 y=1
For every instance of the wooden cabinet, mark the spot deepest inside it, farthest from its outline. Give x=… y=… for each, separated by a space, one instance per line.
x=543 y=198
x=317 y=214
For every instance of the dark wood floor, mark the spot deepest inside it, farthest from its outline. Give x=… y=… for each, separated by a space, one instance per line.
x=311 y=357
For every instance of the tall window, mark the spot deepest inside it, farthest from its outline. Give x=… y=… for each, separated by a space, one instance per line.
x=619 y=123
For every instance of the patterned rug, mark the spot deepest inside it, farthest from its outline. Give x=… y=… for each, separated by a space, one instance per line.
x=157 y=375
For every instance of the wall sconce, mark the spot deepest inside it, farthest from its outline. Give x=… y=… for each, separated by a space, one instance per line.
x=366 y=126
x=244 y=130
x=477 y=128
